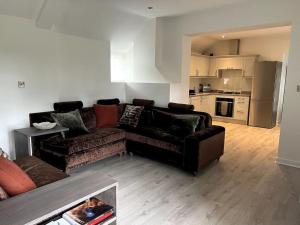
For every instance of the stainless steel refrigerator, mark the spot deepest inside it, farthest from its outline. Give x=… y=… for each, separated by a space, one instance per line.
x=265 y=94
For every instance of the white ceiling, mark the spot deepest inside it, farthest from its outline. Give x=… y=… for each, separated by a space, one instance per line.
x=19 y=8
x=203 y=42
x=113 y=20
x=27 y=8
x=163 y=8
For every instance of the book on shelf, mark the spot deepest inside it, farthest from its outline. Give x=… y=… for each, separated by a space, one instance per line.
x=60 y=221
x=91 y=212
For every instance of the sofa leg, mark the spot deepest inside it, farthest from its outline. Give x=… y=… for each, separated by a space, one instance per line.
x=130 y=153
x=195 y=173
x=218 y=159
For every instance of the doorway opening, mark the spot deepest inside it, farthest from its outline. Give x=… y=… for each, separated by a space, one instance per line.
x=239 y=79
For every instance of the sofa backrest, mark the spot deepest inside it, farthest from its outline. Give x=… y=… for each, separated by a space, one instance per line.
x=63 y=107
x=89 y=118
x=111 y=101
x=87 y=113
x=206 y=116
x=143 y=102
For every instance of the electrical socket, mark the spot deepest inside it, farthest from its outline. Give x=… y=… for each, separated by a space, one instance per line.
x=21 y=84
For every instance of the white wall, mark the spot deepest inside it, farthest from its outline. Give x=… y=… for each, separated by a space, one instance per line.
x=55 y=67
x=139 y=58
x=144 y=69
x=160 y=93
x=250 y=14
x=270 y=48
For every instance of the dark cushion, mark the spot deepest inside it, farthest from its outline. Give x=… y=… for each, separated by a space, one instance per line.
x=131 y=115
x=184 y=125
x=201 y=124
x=162 y=119
x=143 y=102
x=135 y=140
x=157 y=133
x=96 y=138
x=205 y=120
x=113 y=101
x=71 y=120
x=180 y=107
x=206 y=133
x=88 y=117
x=67 y=106
x=40 y=172
x=146 y=118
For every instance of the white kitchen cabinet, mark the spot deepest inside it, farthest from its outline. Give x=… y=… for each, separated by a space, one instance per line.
x=249 y=66
x=195 y=101
x=204 y=103
x=227 y=63
x=199 y=66
x=213 y=71
x=241 y=108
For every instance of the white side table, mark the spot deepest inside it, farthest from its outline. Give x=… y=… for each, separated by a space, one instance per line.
x=23 y=139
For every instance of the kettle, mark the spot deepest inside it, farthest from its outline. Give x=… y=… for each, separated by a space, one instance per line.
x=206 y=88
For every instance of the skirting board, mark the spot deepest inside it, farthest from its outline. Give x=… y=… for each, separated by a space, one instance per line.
x=288 y=162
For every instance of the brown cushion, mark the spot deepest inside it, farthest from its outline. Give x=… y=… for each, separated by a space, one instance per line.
x=96 y=138
x=3 y=194
x=13 y=179
x=39 y=171
x=106 y=115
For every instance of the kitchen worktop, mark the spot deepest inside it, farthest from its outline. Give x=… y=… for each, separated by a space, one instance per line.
x=243 y=94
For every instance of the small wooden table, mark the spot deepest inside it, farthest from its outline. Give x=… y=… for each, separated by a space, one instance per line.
x=42 y=204
x=23 y=138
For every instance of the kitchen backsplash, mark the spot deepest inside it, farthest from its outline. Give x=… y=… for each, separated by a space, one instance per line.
x=229 y=80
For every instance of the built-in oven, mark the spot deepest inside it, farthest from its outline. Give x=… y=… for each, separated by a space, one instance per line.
x=224 y=106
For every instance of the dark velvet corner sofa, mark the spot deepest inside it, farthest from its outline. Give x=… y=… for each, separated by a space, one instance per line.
x=192 y=152
x=75 y=151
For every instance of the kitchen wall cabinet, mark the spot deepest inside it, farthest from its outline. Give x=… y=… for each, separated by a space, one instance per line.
x=241 y=108
x=249 y=66
x=213 y=71
x=226 y=63
x=206 y=66
x=199 y=66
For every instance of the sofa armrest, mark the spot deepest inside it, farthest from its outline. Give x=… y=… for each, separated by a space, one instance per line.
x=203 y=147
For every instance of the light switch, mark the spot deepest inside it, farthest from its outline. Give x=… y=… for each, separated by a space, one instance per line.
x=21 y=84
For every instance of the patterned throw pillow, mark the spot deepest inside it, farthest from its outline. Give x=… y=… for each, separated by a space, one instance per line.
x=131 y=115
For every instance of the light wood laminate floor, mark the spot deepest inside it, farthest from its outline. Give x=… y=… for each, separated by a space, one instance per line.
x=246 y=187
